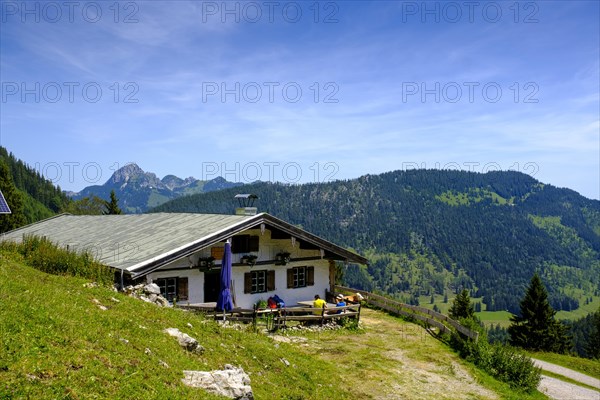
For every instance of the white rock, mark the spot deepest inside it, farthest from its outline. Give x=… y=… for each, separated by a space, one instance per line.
x=185 y=340
x=152 y=288
x=231 y=382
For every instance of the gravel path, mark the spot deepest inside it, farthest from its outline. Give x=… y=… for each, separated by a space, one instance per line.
x=569 y=373
x=560 y=390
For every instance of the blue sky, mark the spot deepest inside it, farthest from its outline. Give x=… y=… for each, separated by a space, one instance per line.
x=302 y=91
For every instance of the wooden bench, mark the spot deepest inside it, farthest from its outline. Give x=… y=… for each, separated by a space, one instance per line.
x=279 y=317
x=311 y=314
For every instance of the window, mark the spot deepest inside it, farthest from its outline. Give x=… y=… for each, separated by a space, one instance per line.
x=298 y=277
x=173 y=288
x=244 y=244
x=259 y=281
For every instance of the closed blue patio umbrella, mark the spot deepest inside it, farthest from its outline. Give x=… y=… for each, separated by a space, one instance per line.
x=224 y=302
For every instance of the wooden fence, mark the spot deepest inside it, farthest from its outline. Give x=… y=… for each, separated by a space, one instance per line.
x=275 y=318
x=426 y=315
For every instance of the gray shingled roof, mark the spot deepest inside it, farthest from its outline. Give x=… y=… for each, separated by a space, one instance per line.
x=140 y=243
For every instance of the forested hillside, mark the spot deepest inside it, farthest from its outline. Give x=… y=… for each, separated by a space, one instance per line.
x=430 y=231
x=41 y=199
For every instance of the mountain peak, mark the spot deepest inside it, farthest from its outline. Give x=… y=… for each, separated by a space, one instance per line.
x=174 y=182
x=123 y=174
x=139 y=190
x=132 y=174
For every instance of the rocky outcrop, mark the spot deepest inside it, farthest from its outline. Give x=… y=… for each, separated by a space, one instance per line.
x=185 y=340
x=231 y=382
x=147 y=292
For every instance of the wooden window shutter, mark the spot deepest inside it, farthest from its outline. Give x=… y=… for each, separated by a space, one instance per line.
x=182 y=289
x=248 y=282
x=270 y=281
x=290 y=278
x=310 y=276
x=217 y=252
x=239 y=244
x=253 y=243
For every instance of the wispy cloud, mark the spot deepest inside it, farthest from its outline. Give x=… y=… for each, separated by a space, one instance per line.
x=393 y=79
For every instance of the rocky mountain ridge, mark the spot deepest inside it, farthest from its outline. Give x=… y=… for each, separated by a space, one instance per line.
x=138 y=190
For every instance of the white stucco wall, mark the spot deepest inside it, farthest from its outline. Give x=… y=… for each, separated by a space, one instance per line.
x=290 y=296
x=268 y=248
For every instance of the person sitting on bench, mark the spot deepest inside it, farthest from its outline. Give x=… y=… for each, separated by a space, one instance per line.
x=340 y=302
x=320 y=304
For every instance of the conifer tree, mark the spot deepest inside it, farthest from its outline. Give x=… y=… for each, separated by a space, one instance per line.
x=535 y=328
x=112 y=206
x=593 y=345
x=13 y=199
x=461 y=306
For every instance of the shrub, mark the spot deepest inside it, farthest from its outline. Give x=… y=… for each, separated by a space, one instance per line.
x=503 y=362
x=42 y=254
x=349 y=323
x=512 y=366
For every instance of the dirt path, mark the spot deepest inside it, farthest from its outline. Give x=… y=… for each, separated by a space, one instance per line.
x=394 y=360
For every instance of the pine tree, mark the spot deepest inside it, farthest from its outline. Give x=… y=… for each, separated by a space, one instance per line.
x=13 y=199
x=461 y=306
x=535 y=328
x=112 y=206
x=593 y=344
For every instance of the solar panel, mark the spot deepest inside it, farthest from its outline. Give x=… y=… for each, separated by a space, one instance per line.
x=4 y=208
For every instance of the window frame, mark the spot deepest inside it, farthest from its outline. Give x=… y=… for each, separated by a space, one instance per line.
x=245 y=244
x=252 y=284
x=177 y=289
x=300 y=277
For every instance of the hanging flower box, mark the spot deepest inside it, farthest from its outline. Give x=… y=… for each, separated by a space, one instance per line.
x=206 y=262
x=249 y=259
x=283 y=257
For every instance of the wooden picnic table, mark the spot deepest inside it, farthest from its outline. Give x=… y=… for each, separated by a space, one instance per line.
x=309 y=303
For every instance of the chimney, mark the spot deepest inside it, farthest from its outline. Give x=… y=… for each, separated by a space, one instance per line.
x=246 y=202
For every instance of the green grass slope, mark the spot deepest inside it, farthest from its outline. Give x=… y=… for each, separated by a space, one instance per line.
x=56 y=342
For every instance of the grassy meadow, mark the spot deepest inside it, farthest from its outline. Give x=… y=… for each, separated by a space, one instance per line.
x=57 y=342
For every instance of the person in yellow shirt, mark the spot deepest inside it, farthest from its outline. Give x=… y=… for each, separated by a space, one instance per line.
x=319 y=304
